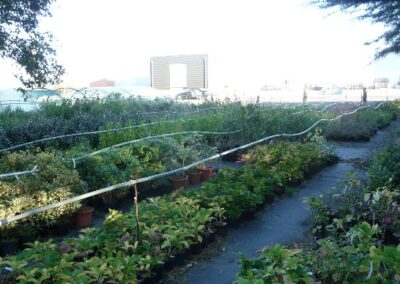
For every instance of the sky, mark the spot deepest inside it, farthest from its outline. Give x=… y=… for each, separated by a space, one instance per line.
x=249 y=43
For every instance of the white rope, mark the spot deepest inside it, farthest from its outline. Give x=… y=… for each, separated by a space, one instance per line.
x=103 y=131
x=16 y=174
x=74 y=160
x=89 y=133
x=322 y=110
x=371 y=269
x=180 y=112
x=332 y=104
x=381 y=103
x=19 y=103
x=168 y=173
x=280 y=106
x=326 y=107
x=298 y=112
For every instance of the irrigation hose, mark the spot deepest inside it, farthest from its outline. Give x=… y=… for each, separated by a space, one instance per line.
x=16 y=174
x=38 y=210
x=74 y=160
x=100 y=131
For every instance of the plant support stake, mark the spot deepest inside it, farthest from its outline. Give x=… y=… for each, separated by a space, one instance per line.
x=16 y=174
x=137 y=212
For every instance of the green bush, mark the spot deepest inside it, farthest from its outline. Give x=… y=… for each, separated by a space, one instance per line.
x=276 y=265
x=169 y=225
x=66 y=117
x=359 y=126
x=385 y=167
x=54 y=182
x=357 y=235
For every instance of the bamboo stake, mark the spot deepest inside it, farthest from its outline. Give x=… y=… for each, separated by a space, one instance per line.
x=137 y=212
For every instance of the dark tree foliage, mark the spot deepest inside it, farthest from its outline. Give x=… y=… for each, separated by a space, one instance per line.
x=23 y=43
x=377 y=11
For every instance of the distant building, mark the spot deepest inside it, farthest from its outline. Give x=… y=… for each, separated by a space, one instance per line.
x=181 y=71
x=381 y=83
x=355 y=86
x=102 y=83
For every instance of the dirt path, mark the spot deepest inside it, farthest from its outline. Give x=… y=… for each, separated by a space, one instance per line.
x=285 y=220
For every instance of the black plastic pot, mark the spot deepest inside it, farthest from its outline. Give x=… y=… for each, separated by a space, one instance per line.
x=181 y=257
x=9 y=248
x=222 y=231
x=111 y=204
x=208 y=240
x=61 y=229
x=279 y=190
x=24 y=240
x=169 y=263
x=157 y=273
x=196 y=248
x=95 y=202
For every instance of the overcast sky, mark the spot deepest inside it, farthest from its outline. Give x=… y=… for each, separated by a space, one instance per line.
x=248 y=42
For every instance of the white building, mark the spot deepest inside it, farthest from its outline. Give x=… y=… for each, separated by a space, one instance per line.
x=181 y=71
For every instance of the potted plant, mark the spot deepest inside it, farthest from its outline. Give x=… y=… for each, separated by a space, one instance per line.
x=26 y=234
x=180 y=179
x=184 y=154
x=84 y=216
x=206 y=170
x=9 y=244
x=195 y=176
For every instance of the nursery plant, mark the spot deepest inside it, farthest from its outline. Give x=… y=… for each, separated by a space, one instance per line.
x=169 y=226
x=55 y=181
x=357 y=236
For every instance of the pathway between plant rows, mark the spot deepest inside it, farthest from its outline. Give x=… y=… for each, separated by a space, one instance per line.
x=284 y=221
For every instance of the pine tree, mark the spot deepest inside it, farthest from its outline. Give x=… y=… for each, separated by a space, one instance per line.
x=377 y=11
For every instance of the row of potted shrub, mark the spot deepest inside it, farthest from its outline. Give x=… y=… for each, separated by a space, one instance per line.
x=65 y=117
x=55 y=182
x=170 y=227
x=87 y=115
x=361 y=126
x=58 y=180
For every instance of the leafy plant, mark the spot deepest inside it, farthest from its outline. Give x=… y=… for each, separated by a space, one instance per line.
x=169 y=225
x=276 y=264
x=54 y=182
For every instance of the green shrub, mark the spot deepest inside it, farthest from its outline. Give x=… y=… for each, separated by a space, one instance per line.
x=359 y=126
x=168 y=226
x=55 y=181
x=277 y=264
x=53 y=171
x=385 y=167
x=357 y=235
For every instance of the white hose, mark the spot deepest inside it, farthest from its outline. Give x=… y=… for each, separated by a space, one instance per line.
x=74 y=160
x=38 y=210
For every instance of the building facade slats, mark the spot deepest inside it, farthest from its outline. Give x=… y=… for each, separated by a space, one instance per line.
x=196 y=70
